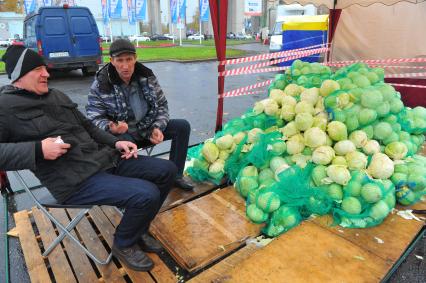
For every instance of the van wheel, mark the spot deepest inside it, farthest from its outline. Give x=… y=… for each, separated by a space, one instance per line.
x=89 y=71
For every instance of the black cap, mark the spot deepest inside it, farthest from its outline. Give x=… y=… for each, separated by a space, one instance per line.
x=20 y=60
x=121 y=46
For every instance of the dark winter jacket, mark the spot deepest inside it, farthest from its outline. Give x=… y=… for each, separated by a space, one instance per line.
x=106 y=101
x=27 y=118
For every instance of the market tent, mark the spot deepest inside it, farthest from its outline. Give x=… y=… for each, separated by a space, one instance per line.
x=358 y=30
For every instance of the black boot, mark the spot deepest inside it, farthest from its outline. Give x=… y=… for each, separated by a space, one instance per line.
x=133 y=257
x=184 y=183
x=149 y=244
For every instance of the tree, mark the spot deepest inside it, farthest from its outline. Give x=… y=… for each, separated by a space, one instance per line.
x=195 y=25
x=11 y=6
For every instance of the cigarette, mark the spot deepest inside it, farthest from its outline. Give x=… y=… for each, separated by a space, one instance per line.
x=139 y=149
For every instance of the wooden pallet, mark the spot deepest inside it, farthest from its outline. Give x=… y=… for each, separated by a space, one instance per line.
x=203 y=230
x=67 y=263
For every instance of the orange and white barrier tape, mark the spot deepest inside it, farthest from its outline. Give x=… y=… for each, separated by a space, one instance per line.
x=382 y=61
x=267 y=56
x=244 y=90
x=408 y=85
x=406 y=75
x=247 y=69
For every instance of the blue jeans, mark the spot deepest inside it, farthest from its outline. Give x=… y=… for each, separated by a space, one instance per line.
x=177 y=130
x=138 y=185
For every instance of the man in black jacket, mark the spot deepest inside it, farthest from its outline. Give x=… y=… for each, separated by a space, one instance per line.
x=42 y=130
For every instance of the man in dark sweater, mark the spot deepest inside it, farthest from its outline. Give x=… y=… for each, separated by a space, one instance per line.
x=126 y=100
x=42 y=130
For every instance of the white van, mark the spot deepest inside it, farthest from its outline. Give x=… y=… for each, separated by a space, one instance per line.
x=285 y=12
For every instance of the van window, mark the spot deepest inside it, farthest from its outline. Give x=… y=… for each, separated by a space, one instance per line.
x=278 y=28
x=81 y=25
x=54 y=26
x=30 y=28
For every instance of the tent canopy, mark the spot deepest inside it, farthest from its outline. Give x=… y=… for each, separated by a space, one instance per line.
x=385 y=29
x=341 y=4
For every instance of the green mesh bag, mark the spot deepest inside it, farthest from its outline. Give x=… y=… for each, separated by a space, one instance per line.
x=263 y=150
x=410 y=180
x=236 y=161
x=366 y=202
x=413 y=121
x=235 y=126
x=261 y=121
x=311 y=80
x=199 y=169
x=247 y=180
x=282 y=220
x=295 y=189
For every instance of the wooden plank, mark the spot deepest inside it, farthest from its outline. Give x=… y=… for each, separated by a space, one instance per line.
x=80 y=262
x=110 y=272
x=107 y=231
x=309 y=253
x=178 y=196
x=113 y=215
x=224 y=266
x=58 y=262
x=36 y=267
x=205 y=229
x=160 y=272
x=396 y=233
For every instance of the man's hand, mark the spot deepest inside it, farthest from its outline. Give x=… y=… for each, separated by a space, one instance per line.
x=53 y=150
x=118 y=128
x=128 y=149
x=156 y=136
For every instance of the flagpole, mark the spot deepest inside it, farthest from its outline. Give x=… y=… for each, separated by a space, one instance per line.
x=110 y=28
x=200 y=19
x=178 y=23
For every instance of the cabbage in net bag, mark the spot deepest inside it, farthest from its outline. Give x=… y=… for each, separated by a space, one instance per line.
x=409 y=179
x=366 y=202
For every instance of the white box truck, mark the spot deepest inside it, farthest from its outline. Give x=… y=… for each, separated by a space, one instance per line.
x=285 y=12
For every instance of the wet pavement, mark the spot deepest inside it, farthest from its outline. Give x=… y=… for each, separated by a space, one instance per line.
x=191 y=90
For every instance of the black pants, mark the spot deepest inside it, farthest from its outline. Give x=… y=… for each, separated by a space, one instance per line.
x=177 y=131
x=139 y=185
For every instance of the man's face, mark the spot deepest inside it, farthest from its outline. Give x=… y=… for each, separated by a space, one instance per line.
x=35 y=80
x=125 y=65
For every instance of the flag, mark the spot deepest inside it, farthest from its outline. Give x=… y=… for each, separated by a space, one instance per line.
x=204 y=10
x=131 y=11
x=173 y=11
x=182 y=9
x=115 y=7
x=140 y=10
x=104 y=5
x=30 y=6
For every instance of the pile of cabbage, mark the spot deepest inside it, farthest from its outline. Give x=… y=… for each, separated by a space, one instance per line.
x=322 y=142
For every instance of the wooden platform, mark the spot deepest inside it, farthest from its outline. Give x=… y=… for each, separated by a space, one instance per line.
x=205 y=229
x=214 y=228
x=317 y=252
x=68 y=263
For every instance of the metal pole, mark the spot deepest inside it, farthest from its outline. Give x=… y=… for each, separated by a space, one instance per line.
x=200 y=19
x=6 y=240
x=110 y=29
x=178 y=23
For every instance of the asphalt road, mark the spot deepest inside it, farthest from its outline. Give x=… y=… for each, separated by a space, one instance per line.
x=191 y=90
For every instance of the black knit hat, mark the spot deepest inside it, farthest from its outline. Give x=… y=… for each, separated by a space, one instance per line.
x=121 y=46
x=20 y=60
